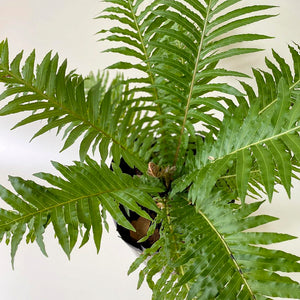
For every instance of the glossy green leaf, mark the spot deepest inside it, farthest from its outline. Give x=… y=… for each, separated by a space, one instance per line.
x=266 y=166
x=243 y=166
x=16 y=239
x=282 y=160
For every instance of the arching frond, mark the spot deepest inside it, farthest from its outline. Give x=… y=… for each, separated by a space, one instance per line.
x=79 y=198
x=101 y=116
x=209 y=254
x=266 y=139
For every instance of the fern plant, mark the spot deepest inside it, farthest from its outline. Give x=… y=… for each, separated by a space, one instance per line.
x=197 y=141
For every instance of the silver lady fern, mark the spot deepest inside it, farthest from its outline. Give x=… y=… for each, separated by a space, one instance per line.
x=194 y=141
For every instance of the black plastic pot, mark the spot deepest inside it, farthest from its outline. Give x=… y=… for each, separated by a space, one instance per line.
x=140 y=224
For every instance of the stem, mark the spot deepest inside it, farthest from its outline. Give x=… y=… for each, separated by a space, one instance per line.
x=234 y=175
x=235 y=263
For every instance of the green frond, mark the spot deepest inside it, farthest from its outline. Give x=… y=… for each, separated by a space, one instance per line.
x=208 y=254
x=266 y=140
x=138 y=22
x=178 y=45
x=262 y=145
x=199 y=144
x=75 y=199
x=61 y=99
x=192 y=42
x=133 y=35
x=272 y=79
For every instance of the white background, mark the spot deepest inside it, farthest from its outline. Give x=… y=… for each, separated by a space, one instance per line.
x=68 y=28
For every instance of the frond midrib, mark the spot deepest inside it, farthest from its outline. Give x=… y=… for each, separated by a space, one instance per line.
x=192 y=82
x=143 y=46
x=61 y=204
x=232 y=260
x=275 y=100
x=66 y=110
x=264 y=140
x=258 y=142
x=181 y=270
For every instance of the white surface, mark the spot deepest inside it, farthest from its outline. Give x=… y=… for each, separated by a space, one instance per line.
x=67 y=27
